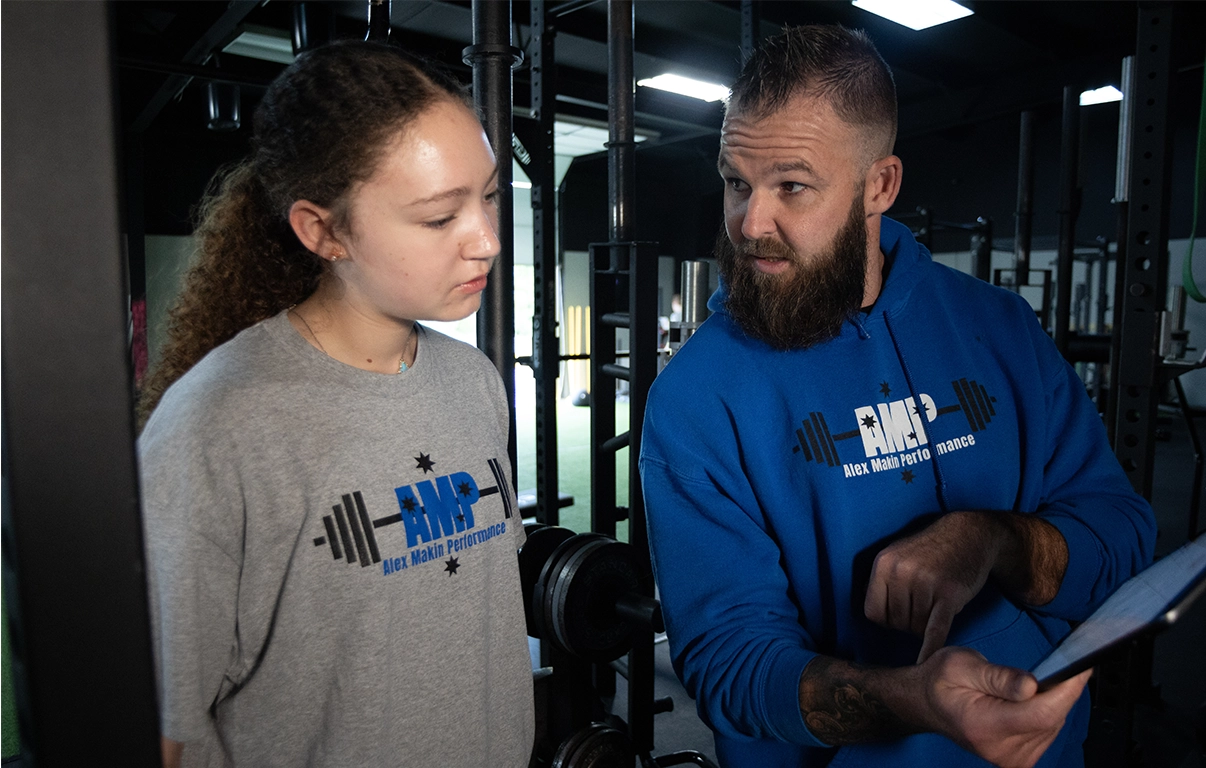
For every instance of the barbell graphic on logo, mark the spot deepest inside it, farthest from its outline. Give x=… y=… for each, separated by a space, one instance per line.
x=351 y=534
x=900 y=423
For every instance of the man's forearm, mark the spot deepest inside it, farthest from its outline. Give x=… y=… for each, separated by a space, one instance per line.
x=1032 y=557
x=845 y=703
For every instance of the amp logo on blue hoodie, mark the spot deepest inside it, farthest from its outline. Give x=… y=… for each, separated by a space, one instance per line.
x=893 y=434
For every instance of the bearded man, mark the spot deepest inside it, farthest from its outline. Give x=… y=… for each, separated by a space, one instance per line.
x=876 y=493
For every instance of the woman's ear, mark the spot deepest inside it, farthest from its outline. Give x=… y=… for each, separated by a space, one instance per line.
x=882 y=184
x=313 y=226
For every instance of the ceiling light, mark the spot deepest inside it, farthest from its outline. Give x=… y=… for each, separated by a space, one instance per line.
x=915 y=14
x=267 y=47
x=696 y=89
x=521 y=184
x=1102 y=95
x=573 y=139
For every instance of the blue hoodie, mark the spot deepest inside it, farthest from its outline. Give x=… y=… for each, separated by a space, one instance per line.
x=773 y=478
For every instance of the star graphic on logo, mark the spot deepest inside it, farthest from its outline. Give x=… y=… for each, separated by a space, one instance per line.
x=869 y=422
x=409 y=504
x=917 y=411
x=907 y=476
x=451 y=565
x=885 y=389
x=461 y=518
x=424 y=462
x=464 y=489
x=913 y=436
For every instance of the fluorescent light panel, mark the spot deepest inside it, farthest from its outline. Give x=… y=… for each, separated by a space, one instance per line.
x=572 y=140
x=266 y=47
x=1102 y=95
x=696 y=89
x=915 y=14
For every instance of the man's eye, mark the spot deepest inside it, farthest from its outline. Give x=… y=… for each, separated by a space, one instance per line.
x=792 y=187
x=736 y=185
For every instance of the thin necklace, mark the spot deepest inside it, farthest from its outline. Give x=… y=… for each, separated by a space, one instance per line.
x=402 y=366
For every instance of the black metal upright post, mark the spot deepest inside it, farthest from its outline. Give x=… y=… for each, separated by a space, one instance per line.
x=1139 y=304
x=1025 y=210
x=1122 y=191
x=546 y=350
x=379 y=20
x=751 y=21
x=1145 y=265
x=1068 y=205
x=623 y=270
x=492 y=58
x=314 y=24
x=74 y=572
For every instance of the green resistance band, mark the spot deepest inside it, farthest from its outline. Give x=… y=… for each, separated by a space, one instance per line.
x=1191 y=288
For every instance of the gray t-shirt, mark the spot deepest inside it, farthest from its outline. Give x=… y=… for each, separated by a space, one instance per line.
x=331 y=554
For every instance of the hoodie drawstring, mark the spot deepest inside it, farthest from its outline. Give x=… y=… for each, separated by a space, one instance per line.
x=940 y=481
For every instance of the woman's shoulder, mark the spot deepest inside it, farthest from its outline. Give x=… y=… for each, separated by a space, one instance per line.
x=217 y=388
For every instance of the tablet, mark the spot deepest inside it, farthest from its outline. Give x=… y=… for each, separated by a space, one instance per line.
x=1147 y=602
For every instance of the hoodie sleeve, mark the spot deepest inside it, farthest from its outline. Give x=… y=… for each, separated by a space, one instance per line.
x=735 y=637
x=1110 y=530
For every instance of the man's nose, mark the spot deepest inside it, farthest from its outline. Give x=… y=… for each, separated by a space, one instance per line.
x=759 y=221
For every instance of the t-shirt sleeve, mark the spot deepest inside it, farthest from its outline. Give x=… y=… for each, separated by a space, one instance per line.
x=736 y=640
x=192 y=519
x=497 y=397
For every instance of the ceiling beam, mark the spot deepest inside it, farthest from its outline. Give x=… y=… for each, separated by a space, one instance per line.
x=213 y=37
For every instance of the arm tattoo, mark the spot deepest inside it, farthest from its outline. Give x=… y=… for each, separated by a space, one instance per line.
x=838 y=707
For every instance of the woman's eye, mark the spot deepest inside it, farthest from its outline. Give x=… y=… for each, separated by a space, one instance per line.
x=440 y=224
x=492 y=197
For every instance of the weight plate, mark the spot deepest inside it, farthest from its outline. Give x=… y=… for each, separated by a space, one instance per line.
x=535 y=552
x=605 y=747
x=557 y=594
x=565 y=751
x=585 y=616
x=543 y=589
x=596 y=746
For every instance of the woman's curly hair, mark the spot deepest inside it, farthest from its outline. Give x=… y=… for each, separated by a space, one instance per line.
x=321 y=128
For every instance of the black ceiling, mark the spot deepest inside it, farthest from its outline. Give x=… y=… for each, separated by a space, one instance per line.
x=1006 y=57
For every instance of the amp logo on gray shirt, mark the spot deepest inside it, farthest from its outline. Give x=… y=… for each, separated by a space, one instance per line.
x=429 y=510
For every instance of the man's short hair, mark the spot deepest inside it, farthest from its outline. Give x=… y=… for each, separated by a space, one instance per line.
x=831 y=62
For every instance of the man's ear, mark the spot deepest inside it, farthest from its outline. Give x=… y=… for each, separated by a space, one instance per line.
x=313 y=226
x=882 y=184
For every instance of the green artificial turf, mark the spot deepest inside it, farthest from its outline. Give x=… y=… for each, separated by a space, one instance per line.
x=573 y=458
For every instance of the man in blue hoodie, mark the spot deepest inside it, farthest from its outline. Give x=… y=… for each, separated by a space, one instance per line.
x=876 y=492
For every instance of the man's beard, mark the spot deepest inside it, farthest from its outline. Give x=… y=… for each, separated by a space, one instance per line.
x=805 y=305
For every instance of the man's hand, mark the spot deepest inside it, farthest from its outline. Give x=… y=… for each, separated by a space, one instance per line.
x=995 y=712
x=921 y=582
